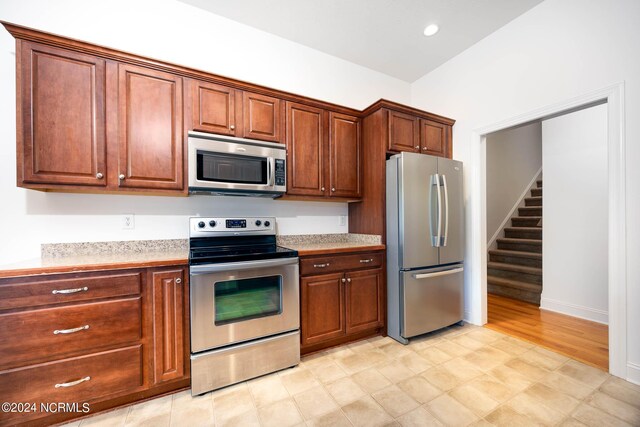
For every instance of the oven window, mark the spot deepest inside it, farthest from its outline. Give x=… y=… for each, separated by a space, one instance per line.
x=229 y=168
x=244 y=299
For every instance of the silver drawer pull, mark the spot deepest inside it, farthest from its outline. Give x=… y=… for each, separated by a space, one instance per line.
x=365 y=261
x=321 y=265
x=70 y=331
x=69 y=291
x=72 y=383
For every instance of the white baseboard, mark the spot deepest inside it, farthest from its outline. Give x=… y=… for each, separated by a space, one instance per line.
x=518 y=204
x=587 y=313
x=633 y=373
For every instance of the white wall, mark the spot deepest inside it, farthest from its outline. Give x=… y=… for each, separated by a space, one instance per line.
x=575 y=211
x=514 y=157
x=559 y=50
x=175 y=32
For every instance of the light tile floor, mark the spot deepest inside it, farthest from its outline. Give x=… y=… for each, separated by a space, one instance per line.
x=464 y=375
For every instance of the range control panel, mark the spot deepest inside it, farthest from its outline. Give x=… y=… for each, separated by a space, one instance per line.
x=201 y=226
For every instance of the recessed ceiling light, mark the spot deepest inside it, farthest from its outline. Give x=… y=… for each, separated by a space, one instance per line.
x=431 y=30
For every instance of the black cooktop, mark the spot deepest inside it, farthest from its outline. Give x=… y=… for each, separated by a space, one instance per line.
x=215 y=250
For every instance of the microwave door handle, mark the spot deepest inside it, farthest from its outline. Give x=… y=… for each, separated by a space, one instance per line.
x=270 y=171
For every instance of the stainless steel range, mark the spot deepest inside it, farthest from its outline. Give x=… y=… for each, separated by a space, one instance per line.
x=245 y=313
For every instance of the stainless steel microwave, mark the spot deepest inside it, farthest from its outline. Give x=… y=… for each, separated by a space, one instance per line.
x=225 y=165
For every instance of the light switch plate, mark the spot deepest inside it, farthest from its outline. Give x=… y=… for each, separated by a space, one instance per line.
x=342 y=220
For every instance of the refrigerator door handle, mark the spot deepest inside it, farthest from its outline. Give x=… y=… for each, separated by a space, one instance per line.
x=438 y=273
x=446 y=211
x=435 y=239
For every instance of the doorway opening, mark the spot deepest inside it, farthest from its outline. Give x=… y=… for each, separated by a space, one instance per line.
x=614 y=224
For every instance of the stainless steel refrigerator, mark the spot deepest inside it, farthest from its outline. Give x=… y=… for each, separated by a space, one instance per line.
x=425 y=244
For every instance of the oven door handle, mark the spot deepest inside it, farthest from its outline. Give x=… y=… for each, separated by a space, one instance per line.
x=245 y=265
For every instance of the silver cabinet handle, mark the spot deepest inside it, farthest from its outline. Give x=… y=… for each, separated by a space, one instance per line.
x=321 y=265
x=70 y=331
x=72 y=383
x=69 y=291
x=99 y=175
x=333 y=189
x=446 y=211
x=121 y=176
x=178 y=281
x=349 y=279
x=232 y=127
x=343 y=280
x=418 y=147
x=424 y=148
x=322 y=189
x=365 y=261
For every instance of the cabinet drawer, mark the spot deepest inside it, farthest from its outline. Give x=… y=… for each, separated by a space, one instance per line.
x=338 y=263
x=104 y=373
x=32 y=292
x=46 y=334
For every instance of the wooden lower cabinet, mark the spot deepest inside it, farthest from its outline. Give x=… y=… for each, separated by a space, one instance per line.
x=323 y=314
x=340 y=306
x=93 y=347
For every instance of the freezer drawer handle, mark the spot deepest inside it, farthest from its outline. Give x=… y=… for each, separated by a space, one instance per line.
x=438 y=273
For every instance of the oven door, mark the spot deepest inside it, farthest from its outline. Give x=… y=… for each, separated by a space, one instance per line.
x=234 y=166
x=241 y=301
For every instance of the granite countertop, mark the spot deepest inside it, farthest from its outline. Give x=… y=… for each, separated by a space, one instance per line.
x=320 y=244
x=73 y=257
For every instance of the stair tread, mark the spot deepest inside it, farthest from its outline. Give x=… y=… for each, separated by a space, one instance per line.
x=534 y=198
x=517 y=228
x=527 y=217
x=501 y=281
x=517 y=254
x=517 y=240
x=514 y=267
x=530 y=207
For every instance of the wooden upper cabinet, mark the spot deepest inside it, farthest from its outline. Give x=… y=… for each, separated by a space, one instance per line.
x=305 y=150
x=169 y=326
x=263 y=117
x=435 y=138
x=403 y=132
x=213 y=108
x=150 y=131
x=364 y=300
x=345 y=154
x=61 y=117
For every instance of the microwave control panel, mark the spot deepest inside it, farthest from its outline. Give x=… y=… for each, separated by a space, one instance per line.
x=280 y=174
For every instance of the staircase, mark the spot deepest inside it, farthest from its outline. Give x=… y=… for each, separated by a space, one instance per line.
x=514 y=269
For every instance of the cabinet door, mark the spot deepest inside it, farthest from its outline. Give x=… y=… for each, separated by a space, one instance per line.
x=435 y=138
x=322 y=308
x=403 y=132
x=168 y=324
x=213 y=108
x=305 y=146
x=345 y=156
x=61 y=117
x=150 y=129
x=262 y=117
x=364 y=300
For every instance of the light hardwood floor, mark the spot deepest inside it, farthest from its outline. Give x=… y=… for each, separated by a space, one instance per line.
x=577 y=338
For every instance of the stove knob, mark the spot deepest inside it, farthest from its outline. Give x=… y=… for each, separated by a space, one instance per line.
x=201 y=224
x=212 y=223
x=267 y=223
x=258 y=223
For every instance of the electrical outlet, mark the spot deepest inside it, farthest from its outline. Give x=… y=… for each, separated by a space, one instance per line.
x=128 y=222
x=342 y=220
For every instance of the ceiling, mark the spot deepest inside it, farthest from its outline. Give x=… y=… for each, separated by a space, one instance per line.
x=383 y=35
